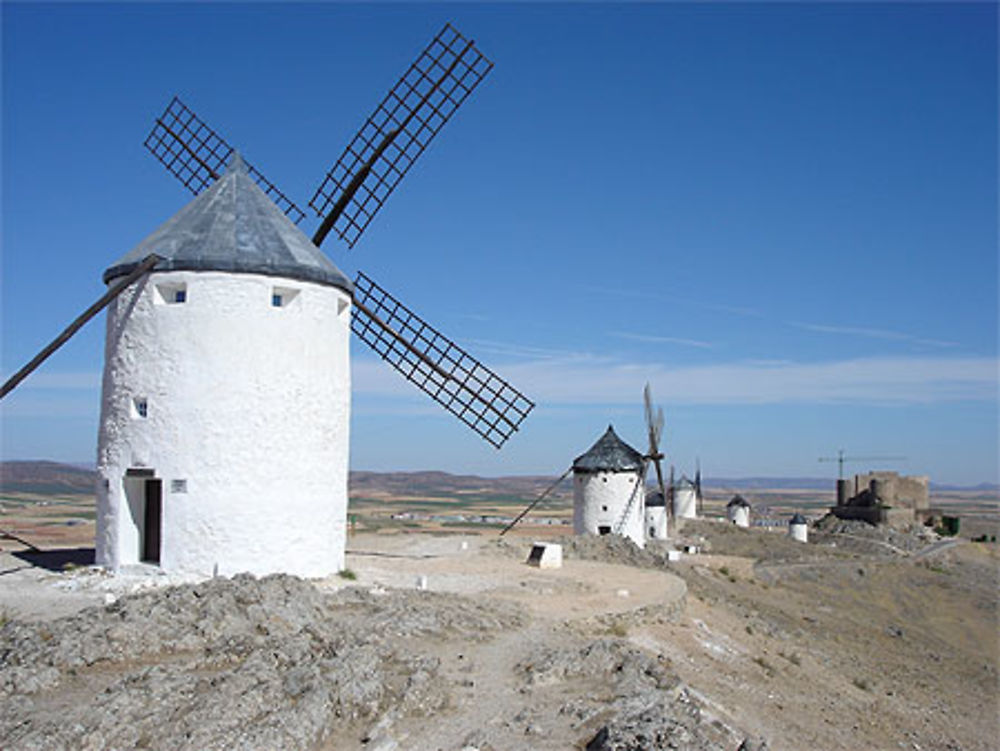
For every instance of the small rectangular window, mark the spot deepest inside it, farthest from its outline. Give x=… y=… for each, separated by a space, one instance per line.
x=283 y=297
x=170 y=293
x=140 y=407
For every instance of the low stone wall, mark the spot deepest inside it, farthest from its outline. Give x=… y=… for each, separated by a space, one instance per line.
x=893 y=517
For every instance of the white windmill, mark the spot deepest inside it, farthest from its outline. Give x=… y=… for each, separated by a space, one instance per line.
x=609 y=486
x=224 y=430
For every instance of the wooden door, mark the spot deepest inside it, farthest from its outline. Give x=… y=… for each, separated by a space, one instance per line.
x=152 y=521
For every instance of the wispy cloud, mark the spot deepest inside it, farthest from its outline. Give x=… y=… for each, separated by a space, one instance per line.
x=518 y=351
x=873 y=333
x=903 y=380
x=662 y=339
x=696 y=302
x=592 y=380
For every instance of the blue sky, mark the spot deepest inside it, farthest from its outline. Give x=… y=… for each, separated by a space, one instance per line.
x=784 y=217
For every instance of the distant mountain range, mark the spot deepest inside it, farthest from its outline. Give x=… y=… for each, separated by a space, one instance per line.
x=55 y=478
x=45 y=478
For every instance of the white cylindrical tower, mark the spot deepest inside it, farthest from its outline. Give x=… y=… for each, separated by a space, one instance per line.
x=223 y=443
x=656 y=517
x=609 y=490
x=798 y=529
x=685 y=499
x=738 y=511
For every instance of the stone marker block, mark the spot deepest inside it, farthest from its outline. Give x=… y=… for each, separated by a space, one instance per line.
x=545 y=555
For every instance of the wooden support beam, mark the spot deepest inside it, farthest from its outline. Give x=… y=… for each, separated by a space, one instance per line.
x=147 y=263
x=534 y=503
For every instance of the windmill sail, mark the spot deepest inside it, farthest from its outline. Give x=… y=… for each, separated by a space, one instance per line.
x=197 y=155
x=352 y=192
x=397 y=133
x=436 y=365
x=654 y=426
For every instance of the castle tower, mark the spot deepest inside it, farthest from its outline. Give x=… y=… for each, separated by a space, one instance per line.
x=223 y=438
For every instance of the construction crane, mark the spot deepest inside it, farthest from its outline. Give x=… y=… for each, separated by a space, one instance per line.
x=840 y=459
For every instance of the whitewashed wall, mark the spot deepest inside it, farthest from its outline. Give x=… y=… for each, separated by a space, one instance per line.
x=685 y=503
x=798 y=532
x=656 y=523
x=600 y=499
x=738 y=515
x=248 y=404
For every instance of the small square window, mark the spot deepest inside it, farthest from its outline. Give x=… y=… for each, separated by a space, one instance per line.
x=140 y=407
x=180 y=295
x=276 y=300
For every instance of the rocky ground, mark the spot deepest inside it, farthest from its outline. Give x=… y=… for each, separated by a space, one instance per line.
x=852 y=641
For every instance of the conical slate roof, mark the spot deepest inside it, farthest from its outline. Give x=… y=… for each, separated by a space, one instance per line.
x=738 y=500
x=797 y=519
x=609 y=454
x=233 y=226
x=684 y=482
x=655 y=499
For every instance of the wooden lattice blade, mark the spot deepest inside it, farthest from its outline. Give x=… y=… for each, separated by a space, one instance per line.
x=196 y=155
x=436 y=365
x=399 y=130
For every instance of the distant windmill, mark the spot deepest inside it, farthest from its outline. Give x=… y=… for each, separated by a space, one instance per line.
x=609 y=485
x=658 y=505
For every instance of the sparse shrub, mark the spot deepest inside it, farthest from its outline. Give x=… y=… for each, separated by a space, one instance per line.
x=749 y=629
x=346 y=573
x=862 y=683
x=619 y=629
x=724 y=570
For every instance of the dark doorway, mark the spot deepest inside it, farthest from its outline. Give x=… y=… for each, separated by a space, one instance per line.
x=604 y=530
x=152 y=517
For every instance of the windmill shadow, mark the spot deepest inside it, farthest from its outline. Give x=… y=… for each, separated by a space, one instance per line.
x=57 y=559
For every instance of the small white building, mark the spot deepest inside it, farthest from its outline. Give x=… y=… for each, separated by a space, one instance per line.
x=798 y=529
x=656 y=516
x=685 y=499
x=225 y=408
x=609 y=490
x=738 y=511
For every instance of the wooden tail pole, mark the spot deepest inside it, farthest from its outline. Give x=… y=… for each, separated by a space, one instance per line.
x=535 y=502
x=6 y=534
x=12 y=382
